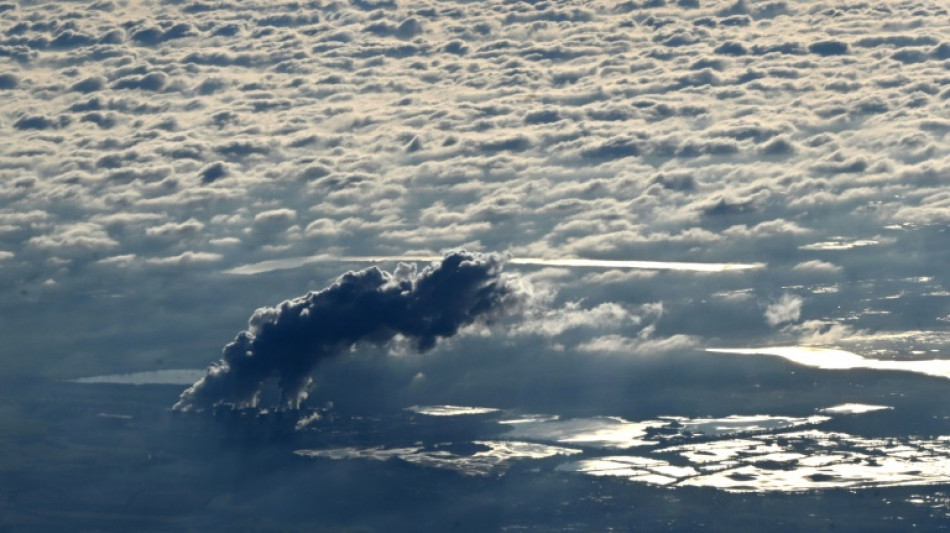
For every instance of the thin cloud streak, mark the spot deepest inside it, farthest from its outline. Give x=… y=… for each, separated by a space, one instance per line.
x=297 y=262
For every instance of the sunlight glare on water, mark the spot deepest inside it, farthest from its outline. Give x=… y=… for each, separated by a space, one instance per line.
x=835 y=359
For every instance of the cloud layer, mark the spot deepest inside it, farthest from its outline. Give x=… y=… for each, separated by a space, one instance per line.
x=691 y=131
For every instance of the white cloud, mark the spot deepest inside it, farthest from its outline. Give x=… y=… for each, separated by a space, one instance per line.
x=75 y=238
x=788 y=308
x=522 y=151
x=553 y=322
x=275 y=217
x=225 y=241
x=621 y=345
x=175 y=230
x=819 y=266
x=185 y=258
x=123 y=260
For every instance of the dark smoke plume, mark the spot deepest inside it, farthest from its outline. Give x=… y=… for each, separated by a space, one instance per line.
x=286 y=342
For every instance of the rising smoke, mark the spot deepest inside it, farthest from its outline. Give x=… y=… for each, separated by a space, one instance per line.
x=286 y=342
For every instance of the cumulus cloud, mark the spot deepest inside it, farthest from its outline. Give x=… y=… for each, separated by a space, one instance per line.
x=788 y=308
x=75 y=238
x=621 y=345
x=123 y=260
x=175 y=231
x=274 y=219
x=184 y=258
x=818 y=266
x=507 y=117
x=551 y=322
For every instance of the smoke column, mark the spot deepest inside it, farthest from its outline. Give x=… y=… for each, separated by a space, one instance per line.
x=372 y=306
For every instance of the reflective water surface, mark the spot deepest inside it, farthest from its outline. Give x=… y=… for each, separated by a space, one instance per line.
x=485 y=457
x=747 y=453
